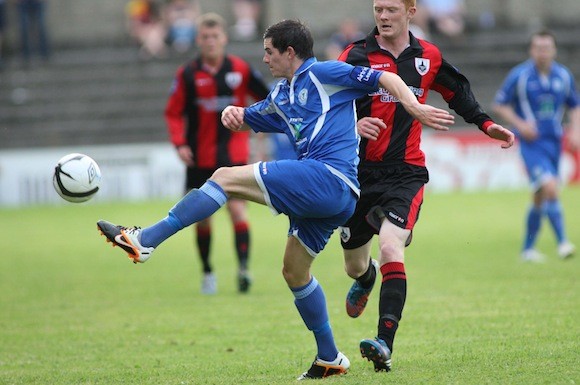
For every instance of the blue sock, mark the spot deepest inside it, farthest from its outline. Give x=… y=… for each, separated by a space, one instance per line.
x=311 y=304
x=196 y=205
x=553 y=210
x=533 y=222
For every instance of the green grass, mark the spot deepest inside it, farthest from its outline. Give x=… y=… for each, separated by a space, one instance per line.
x=73 y=310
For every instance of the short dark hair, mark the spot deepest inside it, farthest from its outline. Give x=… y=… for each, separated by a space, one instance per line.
x=544 y=32
x=291 y=33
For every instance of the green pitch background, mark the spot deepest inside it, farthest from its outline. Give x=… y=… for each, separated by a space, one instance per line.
x=73 y=310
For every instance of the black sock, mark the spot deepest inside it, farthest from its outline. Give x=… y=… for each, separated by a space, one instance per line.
x=368 y=278
x=392 y=301
x=203 y=245
x=242 y=236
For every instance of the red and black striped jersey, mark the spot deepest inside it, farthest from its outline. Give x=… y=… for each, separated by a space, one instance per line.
x=194 y=108
x=423 y=68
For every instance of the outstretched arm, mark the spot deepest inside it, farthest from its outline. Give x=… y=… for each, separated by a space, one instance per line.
x=428 y=115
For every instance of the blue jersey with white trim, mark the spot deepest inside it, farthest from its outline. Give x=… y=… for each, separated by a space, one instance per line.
x=539 y=98
x=316 y=111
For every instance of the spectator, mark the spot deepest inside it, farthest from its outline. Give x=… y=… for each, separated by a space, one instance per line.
x=247 y=14
x=349 y=31
x=446 y=16
x=145 y=26
x=180 y=18
x=32 y=17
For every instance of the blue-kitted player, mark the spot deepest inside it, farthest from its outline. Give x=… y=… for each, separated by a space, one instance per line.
x=313 y=105
x=533 y=100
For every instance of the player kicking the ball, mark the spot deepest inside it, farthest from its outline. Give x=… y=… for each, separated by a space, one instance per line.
x=313 y=105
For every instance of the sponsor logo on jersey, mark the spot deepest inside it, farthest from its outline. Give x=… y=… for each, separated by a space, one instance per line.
x=296 y=125
x=362 y=74
x=303 y=96
x=202 y=82
x=386 y=97
x=233 y=79
x=381 y=65
x=422 y=65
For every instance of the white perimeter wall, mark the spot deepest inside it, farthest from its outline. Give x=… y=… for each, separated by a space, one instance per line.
x=458 y=162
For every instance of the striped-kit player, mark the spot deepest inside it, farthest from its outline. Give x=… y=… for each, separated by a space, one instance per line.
x=202 y=88
x=392 y=170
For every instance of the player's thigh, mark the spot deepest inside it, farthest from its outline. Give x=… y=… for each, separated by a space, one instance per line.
x=304 y=189
x=392 y=239
x=239 y=182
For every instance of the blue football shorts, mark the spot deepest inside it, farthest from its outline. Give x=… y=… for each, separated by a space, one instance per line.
x=315 y=200
x=542 y=161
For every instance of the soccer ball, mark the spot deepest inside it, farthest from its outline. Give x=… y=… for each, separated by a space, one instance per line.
x=76 y=177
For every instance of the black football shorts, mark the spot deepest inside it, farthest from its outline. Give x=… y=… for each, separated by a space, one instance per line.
x=395 y=193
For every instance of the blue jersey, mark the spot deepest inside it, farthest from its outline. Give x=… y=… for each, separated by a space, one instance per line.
x=539 y=98
x=316 y=110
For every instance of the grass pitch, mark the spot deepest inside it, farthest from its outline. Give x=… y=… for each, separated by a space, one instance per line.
x=73 y=310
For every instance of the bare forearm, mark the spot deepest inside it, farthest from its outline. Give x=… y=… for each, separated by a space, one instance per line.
x=397 y=87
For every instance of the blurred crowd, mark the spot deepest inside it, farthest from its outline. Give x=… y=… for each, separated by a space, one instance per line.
x=441 y=18
x=158 y=26
x=34 y=39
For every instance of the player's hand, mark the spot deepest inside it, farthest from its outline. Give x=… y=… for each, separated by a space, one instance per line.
x=500 y=133
x=233 y=118
x=370 y=128
x=433 y=117
x=186 y=155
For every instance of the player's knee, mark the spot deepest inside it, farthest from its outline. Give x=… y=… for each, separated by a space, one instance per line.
x=391 y=252
x=354 y=268
x=220 y=176
x=289 y=276
x=295 y=277
x=550 y=190
x=225 y=177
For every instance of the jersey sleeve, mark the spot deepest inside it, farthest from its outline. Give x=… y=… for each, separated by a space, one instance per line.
x=339 y=73
x=456 y=91
x=262 y=117
x=175 y=110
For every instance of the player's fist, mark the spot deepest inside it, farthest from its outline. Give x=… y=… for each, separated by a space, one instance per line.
x=233 y=118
